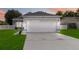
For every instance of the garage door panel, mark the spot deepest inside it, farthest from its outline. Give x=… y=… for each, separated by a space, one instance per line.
x=39 y=26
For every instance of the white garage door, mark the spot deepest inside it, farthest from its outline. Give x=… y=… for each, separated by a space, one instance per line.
x=41 y=26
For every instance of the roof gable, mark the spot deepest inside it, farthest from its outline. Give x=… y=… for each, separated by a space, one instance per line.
x=39 y=13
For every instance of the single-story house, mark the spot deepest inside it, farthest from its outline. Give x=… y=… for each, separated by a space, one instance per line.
x=38 y=22
x=70 y=22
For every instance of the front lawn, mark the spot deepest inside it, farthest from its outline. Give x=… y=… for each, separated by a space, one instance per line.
x=71 y=32
x=9 y=41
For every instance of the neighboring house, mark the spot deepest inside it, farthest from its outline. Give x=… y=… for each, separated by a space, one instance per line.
x=2 y=19
x=70 y=22
x=38 y=22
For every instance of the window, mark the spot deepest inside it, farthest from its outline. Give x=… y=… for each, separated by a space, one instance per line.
x=72 y=26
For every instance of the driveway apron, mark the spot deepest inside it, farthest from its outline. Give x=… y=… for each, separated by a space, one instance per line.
x=50 y=41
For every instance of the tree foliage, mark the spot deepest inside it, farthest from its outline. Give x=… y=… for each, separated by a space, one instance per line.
x=77 y=13
x=59 y=13
x=3 y=23
x=10 y=14
x=69 y=14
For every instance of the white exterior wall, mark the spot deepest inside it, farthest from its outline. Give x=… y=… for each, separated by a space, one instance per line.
x=77 y=25
x=63 y=27
x=48 y=24
x=67 y=20
x=18 y=24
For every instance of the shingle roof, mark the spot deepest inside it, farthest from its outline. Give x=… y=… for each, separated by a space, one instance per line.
x=36 y=14
x=39 y=13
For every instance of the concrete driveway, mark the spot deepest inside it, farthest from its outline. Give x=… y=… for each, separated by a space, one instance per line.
x=50 y=41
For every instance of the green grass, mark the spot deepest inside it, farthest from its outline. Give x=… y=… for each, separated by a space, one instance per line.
x=9 y=41
x=71 y=32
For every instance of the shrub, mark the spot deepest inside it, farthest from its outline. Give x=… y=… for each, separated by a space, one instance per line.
x=3 y=23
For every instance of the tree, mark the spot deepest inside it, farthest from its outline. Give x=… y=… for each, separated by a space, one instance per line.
x=77 y=10
x=3 y=23
x=10 y=14
x=69 y=14
x=59 y=13
x=65 y=14
x=77 y=13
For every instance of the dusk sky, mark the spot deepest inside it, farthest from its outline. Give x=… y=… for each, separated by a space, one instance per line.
x=25 y=10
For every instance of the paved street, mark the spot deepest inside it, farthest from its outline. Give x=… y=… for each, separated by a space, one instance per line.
x=50 y=41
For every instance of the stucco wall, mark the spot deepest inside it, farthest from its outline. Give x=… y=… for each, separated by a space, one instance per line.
x=67 y=20
x=52 y=23
x=77 y=25
x=63 y=27
x=44 y=24
x=18 y=24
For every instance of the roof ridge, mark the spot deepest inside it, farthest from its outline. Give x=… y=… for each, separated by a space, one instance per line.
x=38 y=13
